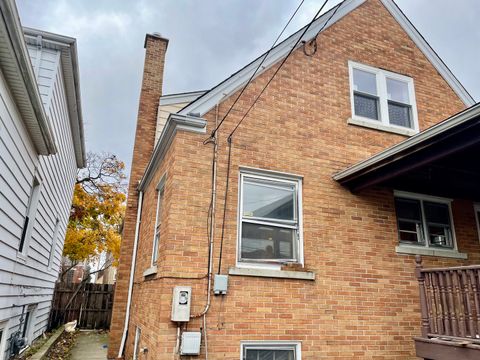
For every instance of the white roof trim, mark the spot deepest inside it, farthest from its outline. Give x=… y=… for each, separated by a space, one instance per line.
x=179 y=98
x=435 y=130
x=428 y=51
x=17 y=68
x=69 y=59
x=175 y=122
x=226 y=88
x=237 y=80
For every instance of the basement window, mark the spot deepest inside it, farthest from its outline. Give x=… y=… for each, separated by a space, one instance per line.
x=424 y=221
x=382 y=100
x=270 y=218
x=271 y=351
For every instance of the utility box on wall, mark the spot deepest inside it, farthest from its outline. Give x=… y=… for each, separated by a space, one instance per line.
x=191 y=343
x=182 y=298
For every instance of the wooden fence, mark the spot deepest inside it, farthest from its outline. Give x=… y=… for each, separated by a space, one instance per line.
x=450 y=301
x=91 y=305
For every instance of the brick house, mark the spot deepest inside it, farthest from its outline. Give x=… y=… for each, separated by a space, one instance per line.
x=337 y=179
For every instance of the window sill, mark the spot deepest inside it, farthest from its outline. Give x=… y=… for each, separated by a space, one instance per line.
x=282 y=274
x=382 y=127
x=415 y=250
x=150 y=271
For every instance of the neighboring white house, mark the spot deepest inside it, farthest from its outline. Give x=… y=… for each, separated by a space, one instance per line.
x=41 y=147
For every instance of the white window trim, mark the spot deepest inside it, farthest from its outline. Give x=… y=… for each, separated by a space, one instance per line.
x=427 y=249
x=276 y=176
x=383 y=123
x=476 y=209
x=31 y=212
x=272 y=345
x=159 y=189
x=56 y=230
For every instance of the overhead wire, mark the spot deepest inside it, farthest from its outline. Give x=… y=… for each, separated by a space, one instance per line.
x=230 y=137
x=280 y=66
x=255 y=72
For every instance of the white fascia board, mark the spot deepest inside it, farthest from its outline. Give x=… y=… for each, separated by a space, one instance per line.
x=174 y=123
x=32 y=111
x=236 y=81
x=435 y=130
x=181 y=97
x=69 y=59
x=429 y=53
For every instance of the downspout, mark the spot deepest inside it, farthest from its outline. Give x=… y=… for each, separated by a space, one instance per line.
x=132 y=273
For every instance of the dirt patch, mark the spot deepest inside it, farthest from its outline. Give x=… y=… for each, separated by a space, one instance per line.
x=61 y=349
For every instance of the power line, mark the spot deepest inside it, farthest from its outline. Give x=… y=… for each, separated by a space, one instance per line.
x=256 y=70
x=280 y=66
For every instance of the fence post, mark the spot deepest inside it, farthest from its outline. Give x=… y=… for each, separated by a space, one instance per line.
x=423 y=296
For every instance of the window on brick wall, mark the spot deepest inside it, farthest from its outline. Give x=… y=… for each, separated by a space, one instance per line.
x=270 y=218
x=382 y=99
x=158 y=219
x=271 y=351
x=424 y=221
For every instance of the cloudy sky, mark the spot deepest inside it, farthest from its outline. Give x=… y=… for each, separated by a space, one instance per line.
x=209 y=40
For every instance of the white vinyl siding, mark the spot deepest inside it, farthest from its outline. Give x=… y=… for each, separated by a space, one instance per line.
x=31 y=276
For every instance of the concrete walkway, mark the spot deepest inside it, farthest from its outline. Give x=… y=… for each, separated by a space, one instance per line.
x=90 y=345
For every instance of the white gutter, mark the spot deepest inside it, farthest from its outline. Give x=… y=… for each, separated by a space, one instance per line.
x=435 y=130
x=132 y=273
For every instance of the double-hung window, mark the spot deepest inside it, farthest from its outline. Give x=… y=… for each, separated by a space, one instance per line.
x=382 y=99
x=158 y=219
x=271 y=351
x=30 y=217
x=270 y=218
x=424 y=221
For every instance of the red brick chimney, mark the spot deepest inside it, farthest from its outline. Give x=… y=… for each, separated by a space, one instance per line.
x=151 y=90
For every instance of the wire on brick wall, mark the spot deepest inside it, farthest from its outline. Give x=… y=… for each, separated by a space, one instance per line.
x=255 y=72
x=280 y=67
x=313 y=42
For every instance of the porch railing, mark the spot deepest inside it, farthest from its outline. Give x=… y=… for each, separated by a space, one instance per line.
x=450 y=301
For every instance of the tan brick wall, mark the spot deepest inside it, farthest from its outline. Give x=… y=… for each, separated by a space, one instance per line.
x=364 y=301
x=151 y=90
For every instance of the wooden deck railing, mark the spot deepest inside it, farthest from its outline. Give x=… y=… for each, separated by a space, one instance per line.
x=450 y=301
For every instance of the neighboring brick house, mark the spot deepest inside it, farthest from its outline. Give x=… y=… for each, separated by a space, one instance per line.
x=315 y=271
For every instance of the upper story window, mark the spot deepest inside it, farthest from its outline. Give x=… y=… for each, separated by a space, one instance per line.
x=270 y=218
x=30 y=216
x=158 y=219
x=382 y=100
x=424 y=221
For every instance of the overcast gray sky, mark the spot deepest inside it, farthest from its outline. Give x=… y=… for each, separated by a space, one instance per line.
x=209 y=40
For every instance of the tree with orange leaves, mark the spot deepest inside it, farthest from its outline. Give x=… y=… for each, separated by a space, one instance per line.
x=98 y=208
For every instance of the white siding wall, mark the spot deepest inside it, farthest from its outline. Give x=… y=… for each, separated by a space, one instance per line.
x=163 y=112
x=29 y=279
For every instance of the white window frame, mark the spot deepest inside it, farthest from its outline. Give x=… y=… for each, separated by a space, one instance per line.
x=269 y=175
x=383 y=122
x=158 y=220
x=31 y=213
x=56 y=230
x=272 y=345
x=436 y=199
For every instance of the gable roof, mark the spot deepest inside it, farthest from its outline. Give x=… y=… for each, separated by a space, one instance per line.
x=227 y=87
x=69 y=60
